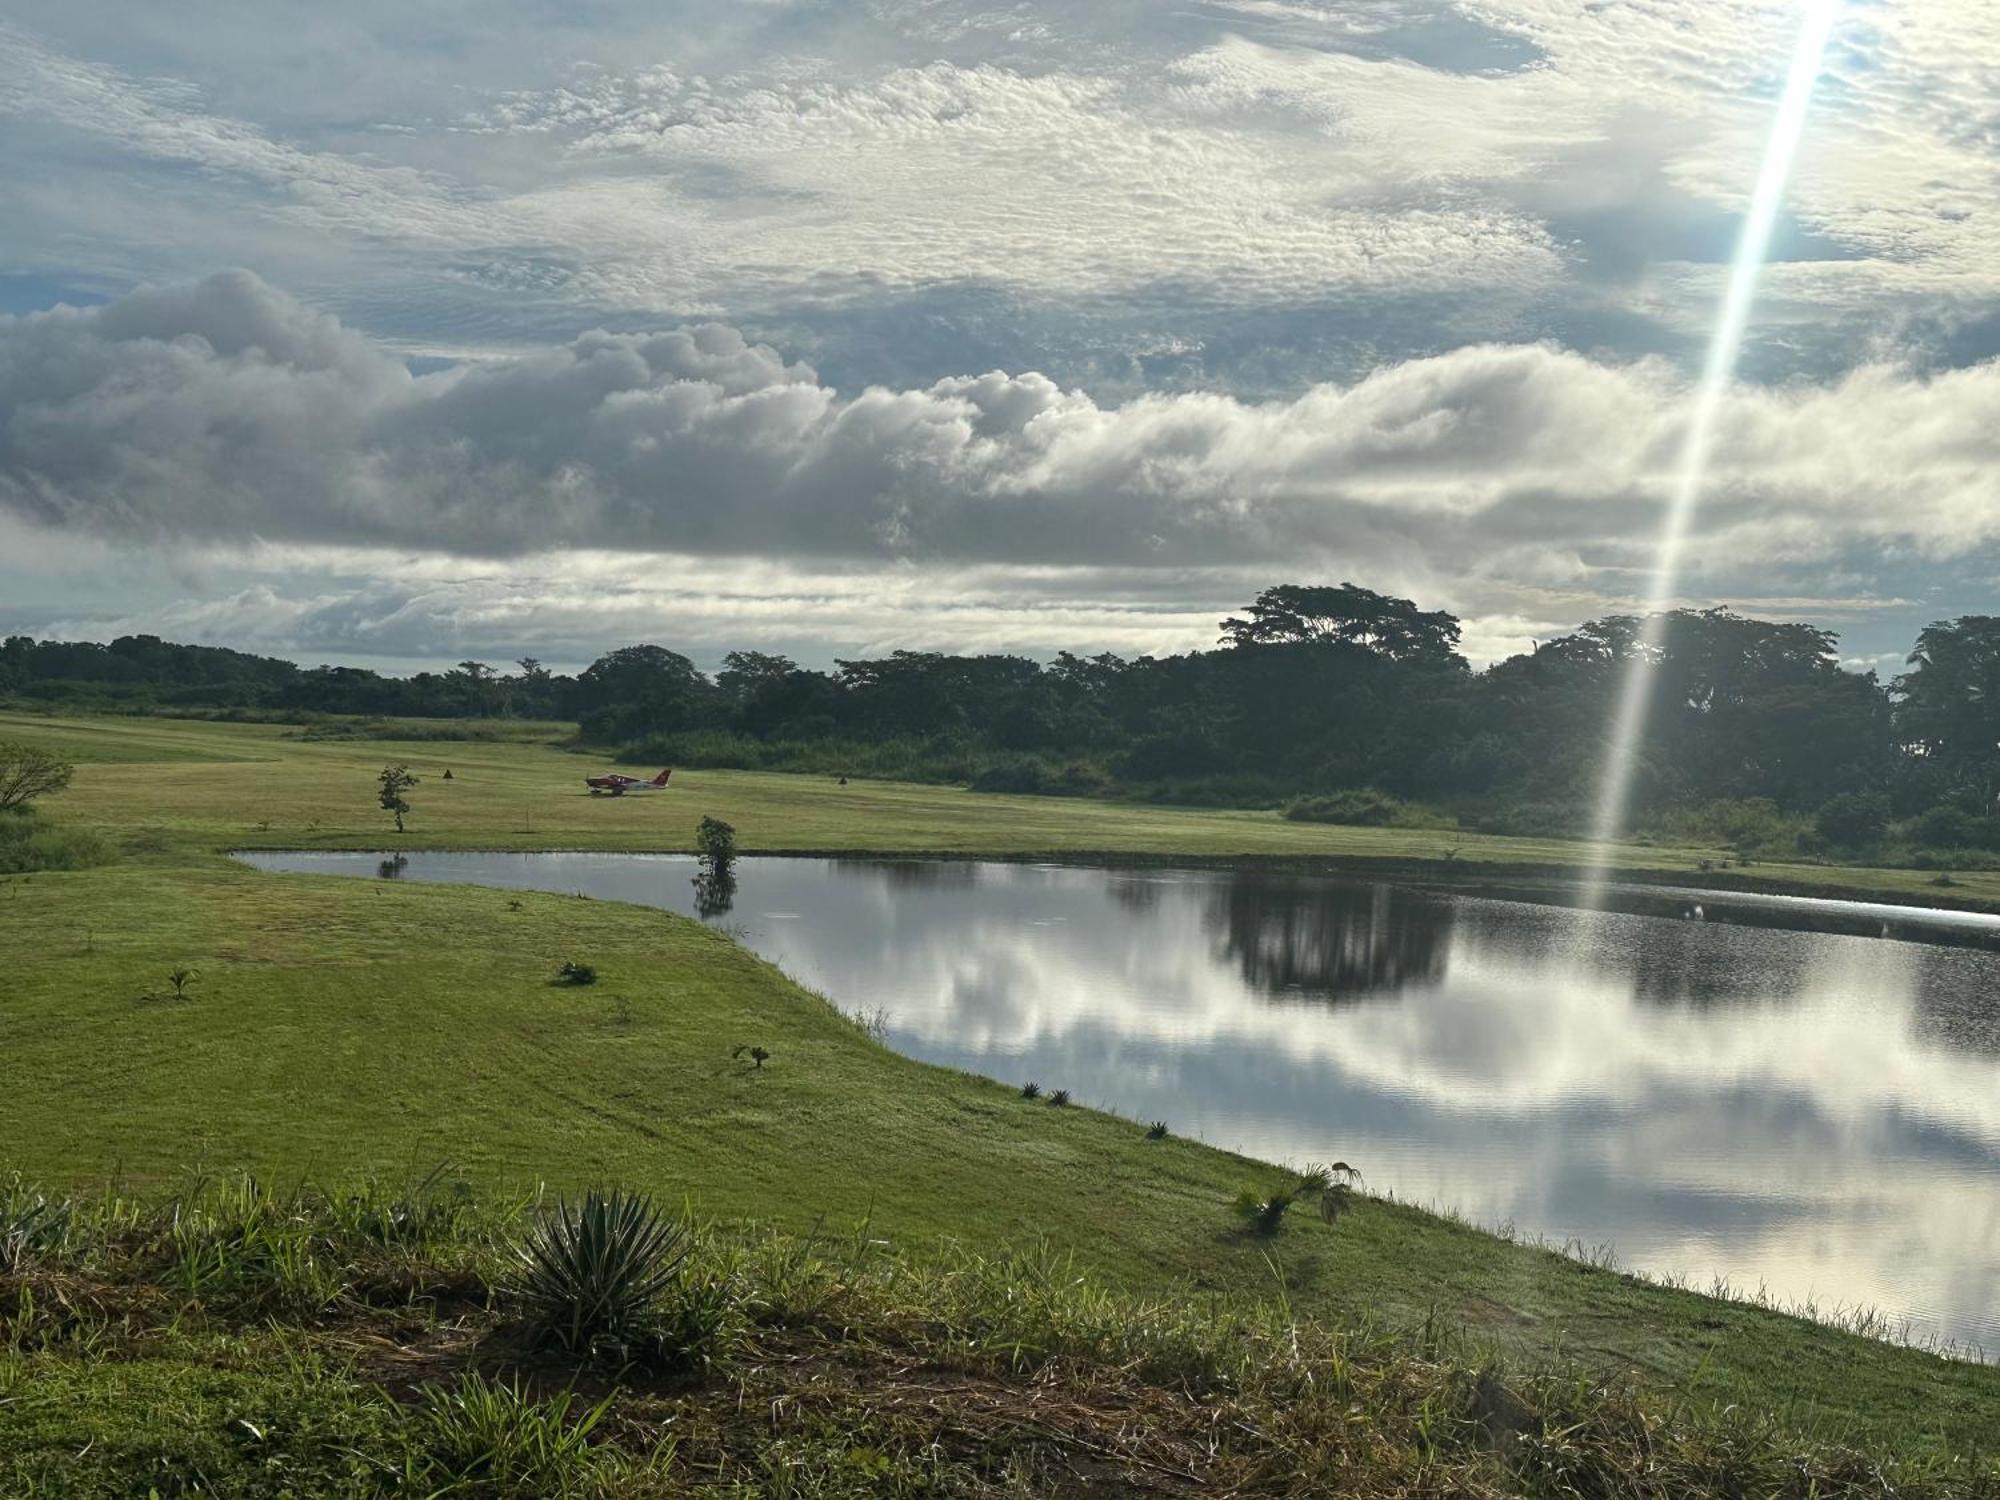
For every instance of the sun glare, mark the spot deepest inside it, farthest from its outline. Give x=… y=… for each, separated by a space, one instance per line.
x=1718 y=375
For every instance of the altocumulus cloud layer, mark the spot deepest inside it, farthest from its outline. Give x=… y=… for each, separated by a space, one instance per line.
x=225 y=411
x=949 y=323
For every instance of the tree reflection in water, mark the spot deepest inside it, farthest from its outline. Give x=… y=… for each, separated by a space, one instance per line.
x=1298 y=935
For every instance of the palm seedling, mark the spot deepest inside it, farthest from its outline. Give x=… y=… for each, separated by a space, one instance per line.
x=1264 y=1213
x=592 y=1273
x=180 y=979
x=757 y=1055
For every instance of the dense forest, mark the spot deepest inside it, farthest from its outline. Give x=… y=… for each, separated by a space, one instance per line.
x=1339 y=701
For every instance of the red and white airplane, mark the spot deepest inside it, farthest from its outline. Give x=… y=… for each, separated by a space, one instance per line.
x=617 y=785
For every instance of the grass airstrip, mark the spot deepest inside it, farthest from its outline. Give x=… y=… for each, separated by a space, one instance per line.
x=340 y=1031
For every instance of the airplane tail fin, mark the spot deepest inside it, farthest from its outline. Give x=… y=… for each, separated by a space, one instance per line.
x=661 y=779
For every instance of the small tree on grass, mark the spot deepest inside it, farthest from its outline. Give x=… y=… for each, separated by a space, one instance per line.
x=396 y=780
x=27 y=772
x=715 y=882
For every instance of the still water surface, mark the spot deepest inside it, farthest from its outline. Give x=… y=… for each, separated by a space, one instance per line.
x=1811 y=1113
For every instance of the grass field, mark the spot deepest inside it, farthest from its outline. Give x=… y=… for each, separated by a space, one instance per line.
x=342 y=1028
x=175 y=785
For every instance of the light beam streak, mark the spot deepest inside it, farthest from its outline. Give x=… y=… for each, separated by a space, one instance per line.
x=1753 y=247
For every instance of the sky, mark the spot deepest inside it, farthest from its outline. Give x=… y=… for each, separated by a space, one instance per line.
x=396 y=334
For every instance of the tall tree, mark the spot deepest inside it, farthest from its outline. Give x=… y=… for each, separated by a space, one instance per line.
x=1948 y=705
x=1295 y=613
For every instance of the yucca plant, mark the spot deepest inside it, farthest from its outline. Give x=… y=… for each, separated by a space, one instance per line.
x=1157 y=1131
x=592 y=1273
x=1059 y=1098
x=1031 y=1091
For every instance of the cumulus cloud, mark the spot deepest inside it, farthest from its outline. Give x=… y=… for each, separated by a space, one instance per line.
x=228 y=412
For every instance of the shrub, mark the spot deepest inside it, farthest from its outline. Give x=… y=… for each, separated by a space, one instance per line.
x=1534 y=820
x=1060 y=1098
x=1951 y=827
x=575 y=973
x=1031 y=1091
x=1023 y=775
x=593 y=1273
x=29 y=843
x=1157 y=1131
x=1853 y=820
x=28 y=772
x=1742 y=824
x=1364 y=807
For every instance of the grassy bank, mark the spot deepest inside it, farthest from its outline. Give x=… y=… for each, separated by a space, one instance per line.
x=339 y=1027
x=163 y=786
x=224 y=1339
x=336 y=1028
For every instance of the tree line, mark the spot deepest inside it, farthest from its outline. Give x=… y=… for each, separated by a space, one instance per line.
x=1311 y=690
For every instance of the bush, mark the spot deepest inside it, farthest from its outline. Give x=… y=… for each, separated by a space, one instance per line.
x=1534 y=820
x=29 y=843
x=1033 y=777
x=1853 y=820
x=1951 y=827
x=1747 y=825
x=575 y=973
x=1365 y=807
x=28 y=772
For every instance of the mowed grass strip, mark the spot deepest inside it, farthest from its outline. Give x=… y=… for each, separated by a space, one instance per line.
x=164 y=786
x=338 y=1028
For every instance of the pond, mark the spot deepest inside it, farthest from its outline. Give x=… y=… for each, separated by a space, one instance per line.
x=1815 y=1114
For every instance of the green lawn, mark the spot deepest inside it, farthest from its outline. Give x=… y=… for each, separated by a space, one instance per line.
x=341 y=1027
x=167 y=785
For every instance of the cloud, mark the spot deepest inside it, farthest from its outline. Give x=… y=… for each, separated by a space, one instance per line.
x=226 y=412
x=1298 y=188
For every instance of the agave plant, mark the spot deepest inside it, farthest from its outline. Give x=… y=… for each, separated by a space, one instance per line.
x=1031 y=1090
x=1059 y=1098
x=592 y=1273
x=1157 y=1131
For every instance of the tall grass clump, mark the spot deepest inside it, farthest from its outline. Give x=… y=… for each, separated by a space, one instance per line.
x=30 y=843
x=491 y=1437
x=32 y=1227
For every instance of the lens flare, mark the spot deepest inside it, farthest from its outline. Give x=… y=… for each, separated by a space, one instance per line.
x=1628 y=725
